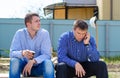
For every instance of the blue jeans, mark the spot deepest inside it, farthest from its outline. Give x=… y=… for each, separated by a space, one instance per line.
x=45 y=69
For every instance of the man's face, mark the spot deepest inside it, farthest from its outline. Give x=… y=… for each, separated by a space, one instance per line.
x=35 y=23
x=79 y=34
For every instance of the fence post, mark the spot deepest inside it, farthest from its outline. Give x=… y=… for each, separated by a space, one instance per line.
x=106 y=40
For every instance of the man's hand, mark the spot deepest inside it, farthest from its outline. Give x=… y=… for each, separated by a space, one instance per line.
x=27 y=54
x=80 y=72
x=27 y=68
x=87 y=38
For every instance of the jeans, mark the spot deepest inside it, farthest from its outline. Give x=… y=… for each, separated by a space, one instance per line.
x=98 y=69
x=45 y=69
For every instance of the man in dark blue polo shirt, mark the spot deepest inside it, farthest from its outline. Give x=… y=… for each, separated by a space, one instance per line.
x=78 y=55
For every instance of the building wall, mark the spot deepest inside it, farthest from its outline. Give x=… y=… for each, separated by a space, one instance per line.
x=104 y=9
x=73 y=13
x=80 y=13
x=116 y=9
x=109 y=9
x=59 y=14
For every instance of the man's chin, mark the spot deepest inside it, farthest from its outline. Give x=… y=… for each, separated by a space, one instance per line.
x=79 y=40
x=38 y=29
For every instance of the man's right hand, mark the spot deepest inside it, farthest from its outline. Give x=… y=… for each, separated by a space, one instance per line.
x=27 y=54
x=80 y=72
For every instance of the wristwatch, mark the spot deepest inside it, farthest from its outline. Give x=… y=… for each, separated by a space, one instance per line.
x=86 y=45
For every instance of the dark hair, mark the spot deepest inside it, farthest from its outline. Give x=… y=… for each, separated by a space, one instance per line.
x=80 y=24
x=28 y=17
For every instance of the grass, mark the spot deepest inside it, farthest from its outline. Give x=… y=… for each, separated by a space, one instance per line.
x=112 y=60
x=113 y=66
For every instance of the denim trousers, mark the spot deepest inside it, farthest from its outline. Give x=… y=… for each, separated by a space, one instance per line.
x=45 y=69
x=98 y=69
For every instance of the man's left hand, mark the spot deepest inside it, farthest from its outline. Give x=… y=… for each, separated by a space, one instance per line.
x=87 y=38
x=28 y=67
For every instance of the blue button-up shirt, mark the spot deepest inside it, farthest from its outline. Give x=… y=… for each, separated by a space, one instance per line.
x=41 y=44
x=71 y=51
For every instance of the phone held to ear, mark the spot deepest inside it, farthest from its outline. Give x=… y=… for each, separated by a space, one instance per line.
x=85 y=36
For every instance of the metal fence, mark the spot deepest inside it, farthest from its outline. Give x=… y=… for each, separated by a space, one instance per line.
x=108 y=33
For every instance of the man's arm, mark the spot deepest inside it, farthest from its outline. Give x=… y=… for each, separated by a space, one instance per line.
x=62 y=52
x=15 y=49
x=45 y=48
x=93 y=54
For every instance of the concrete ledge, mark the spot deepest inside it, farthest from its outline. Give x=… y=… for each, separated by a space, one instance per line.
x=6 y=75
x=5 y=59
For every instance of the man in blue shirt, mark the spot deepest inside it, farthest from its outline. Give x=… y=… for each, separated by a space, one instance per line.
x=30 y=50
x=78 y=55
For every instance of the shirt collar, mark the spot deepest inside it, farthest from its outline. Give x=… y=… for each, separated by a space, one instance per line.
x=72 y=36
x=28 y=36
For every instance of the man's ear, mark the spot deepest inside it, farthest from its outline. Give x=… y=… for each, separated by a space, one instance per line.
x=28 y=24
x=74 y=28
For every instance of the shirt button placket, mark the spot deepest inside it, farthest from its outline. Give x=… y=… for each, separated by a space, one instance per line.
x=78 y=53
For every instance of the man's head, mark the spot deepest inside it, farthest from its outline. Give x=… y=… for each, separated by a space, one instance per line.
x=80 y=29
x=32 y=21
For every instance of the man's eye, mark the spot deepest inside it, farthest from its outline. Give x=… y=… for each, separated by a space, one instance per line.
x=78 y=33
x=37 y=21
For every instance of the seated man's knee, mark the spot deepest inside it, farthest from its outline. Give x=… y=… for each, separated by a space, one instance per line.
x=15 y=65
x=61 y=66
x=14 y=62
x=102 y=70
x=102 y=64
x=48 y=66
x=61 y=70
x=14 y=59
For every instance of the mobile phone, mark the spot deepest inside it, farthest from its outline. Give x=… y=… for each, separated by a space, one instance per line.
x=33 y=52
x=85 y=36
